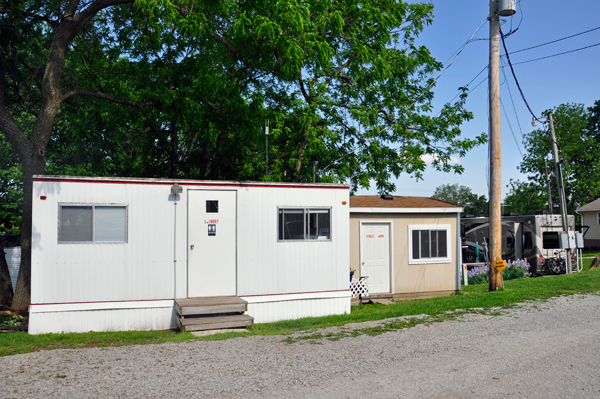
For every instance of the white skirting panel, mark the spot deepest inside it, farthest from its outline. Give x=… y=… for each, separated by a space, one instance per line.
x=123 y=316
x=270 y=308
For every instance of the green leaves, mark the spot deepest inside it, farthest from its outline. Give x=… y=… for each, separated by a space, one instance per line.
x=577 y=139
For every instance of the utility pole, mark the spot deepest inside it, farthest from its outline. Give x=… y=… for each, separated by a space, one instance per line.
x=561 y=190
x=495 y=277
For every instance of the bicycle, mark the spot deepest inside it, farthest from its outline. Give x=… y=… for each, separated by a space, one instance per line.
x=557 y=264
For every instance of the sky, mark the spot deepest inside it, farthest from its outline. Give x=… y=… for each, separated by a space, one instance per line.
x=547 y=83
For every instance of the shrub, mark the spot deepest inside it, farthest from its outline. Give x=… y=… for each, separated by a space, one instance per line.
x=518 y=268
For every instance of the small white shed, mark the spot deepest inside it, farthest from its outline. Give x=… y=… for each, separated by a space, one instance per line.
x=112 y=254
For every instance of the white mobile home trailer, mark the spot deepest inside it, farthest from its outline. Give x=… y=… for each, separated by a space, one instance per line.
x=112 y=254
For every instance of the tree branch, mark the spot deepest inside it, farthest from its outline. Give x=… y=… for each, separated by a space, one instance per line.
x=104 y=96
x=302 y=89
x=217 y=110
x=224 y=42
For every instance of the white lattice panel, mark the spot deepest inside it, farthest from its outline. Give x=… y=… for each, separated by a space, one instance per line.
x=359 y=287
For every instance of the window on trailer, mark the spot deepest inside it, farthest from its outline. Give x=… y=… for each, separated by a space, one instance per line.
x=92 y=223
x=304 y=224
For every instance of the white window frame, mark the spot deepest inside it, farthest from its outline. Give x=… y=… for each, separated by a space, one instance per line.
x=306 y=210
x=93 y=206
x=598 y=218
x=446 y=259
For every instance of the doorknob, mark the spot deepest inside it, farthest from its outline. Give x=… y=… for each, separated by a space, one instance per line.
x=362 y=263
x=191 y=246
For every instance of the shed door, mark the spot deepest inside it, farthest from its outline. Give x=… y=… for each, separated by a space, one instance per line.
x=211 y=243
x=375 y=256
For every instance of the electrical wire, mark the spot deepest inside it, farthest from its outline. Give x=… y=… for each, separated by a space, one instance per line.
x=511 y=129
x=417 y=99
x=556 y=55
x=467 y=85
x=520 y=21
x=514 y=75
x=513 y=105
x=554 y=41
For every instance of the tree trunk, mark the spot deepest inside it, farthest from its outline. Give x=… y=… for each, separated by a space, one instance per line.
x=32 y=165
x=174 y=157
x=301 y=151
x=6 y=290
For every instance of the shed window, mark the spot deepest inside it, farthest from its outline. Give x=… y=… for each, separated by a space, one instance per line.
x=598 y=217
x=304 y=224
x=429 y=244
x=92 y=223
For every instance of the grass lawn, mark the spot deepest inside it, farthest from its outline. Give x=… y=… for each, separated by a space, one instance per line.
x=437 y=309
x=591 y=253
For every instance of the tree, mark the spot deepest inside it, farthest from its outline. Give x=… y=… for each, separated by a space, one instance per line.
x=525 y=198
x=37 y=37
x=342 y=83
x=463 y=196
x=577 y=133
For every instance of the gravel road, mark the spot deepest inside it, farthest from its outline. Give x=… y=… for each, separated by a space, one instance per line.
x=539 y=350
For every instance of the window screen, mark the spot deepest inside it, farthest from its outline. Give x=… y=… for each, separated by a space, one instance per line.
x=92 y=223
x=111 y=223
x=76 y=223
x=304 y=224
x=429 y=244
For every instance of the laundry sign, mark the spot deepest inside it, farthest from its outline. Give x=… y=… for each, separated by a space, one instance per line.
x=212 y=230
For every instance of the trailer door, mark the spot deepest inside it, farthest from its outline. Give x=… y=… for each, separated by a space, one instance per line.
x=211 y=243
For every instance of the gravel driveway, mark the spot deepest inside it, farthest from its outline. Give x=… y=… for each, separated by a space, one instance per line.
x=539 y=350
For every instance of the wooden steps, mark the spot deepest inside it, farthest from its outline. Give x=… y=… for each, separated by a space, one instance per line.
x=214 y=313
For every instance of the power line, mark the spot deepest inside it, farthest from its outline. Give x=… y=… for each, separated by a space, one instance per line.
x=555 y=41
x=511 y=129
x=513 y=104
x=417 y=99
x=514 y=75
x=556 y=55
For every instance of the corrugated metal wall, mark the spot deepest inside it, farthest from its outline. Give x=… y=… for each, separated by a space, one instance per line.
x=143 y=268
x=266 y=266
x=295 y=309
x=140 y=269
x=103 y=320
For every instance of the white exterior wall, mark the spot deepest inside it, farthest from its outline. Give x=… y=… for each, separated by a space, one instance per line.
x=267 y=309
x=141 y=269
x=112 y=316
x=268 y=266
x=131 y=286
